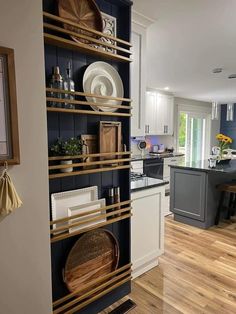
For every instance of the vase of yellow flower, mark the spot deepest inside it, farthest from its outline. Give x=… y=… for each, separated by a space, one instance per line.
x=224 y=143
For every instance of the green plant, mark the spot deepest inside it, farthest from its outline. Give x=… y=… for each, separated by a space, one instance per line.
x=71 y=147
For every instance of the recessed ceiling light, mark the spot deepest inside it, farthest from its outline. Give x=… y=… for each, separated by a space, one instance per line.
x=166 y=88
x=217 y=70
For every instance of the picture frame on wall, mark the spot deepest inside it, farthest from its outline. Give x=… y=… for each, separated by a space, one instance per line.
x=9 y=136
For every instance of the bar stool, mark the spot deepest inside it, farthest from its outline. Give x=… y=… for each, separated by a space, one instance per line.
x=224 y=189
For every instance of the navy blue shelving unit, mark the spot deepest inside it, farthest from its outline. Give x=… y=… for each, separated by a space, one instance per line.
x=66 y=125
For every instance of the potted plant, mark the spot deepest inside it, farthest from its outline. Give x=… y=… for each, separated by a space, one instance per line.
x=224 y=143
x=71 y=147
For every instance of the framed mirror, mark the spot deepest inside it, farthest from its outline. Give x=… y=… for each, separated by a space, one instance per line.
x=9 y=138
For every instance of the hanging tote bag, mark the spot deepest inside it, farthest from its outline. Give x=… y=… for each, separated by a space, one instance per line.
x=9 y=199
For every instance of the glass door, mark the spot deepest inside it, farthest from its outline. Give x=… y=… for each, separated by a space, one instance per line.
x=192 y=134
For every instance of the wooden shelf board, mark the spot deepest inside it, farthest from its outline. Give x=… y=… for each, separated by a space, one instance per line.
x=87 y=29
x=95 y=297
x=92 y=40
x=91 y=163
x=90 y=112
x=60 y=237
x=92 y=219
x=86 y=103
x=53 y=222
x=76 y=93
x=89 y=155
x=82 y=172
x=92 y=283
x=69 y=44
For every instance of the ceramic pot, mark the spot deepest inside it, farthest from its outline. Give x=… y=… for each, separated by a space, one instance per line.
x=66 y=162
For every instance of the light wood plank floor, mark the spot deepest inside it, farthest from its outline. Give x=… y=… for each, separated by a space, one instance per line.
x=196 y=275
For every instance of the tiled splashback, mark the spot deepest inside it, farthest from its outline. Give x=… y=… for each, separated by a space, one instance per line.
x=168 y=141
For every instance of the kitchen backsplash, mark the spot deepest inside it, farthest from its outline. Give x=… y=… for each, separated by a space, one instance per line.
x=168 y=142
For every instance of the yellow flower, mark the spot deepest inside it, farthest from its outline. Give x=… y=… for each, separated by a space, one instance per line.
x=223 y=138
x=219 y=136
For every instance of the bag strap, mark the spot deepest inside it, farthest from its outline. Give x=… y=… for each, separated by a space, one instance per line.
x=5 y=169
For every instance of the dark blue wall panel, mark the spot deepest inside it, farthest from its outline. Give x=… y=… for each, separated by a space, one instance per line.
x=228 y=127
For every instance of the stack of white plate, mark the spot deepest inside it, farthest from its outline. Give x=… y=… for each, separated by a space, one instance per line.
x=75 y=202
x=102 y=79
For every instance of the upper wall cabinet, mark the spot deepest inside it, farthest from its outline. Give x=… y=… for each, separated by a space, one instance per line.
x=159 y=114
x=138 y=79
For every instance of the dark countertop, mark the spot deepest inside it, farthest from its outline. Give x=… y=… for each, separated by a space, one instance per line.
x=146 y=183
x=203 y=166
x=140 y=157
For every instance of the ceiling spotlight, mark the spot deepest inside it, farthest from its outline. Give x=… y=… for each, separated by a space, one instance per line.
x=166 y=88
x=217 y=70
x=232 y=76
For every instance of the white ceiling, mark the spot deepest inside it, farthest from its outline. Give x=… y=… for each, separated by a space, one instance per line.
x=187 y=41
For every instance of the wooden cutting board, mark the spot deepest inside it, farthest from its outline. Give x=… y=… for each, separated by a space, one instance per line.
x=110 y=138
x=94 y=255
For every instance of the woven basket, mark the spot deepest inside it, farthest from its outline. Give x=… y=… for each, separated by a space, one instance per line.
x=95 y=254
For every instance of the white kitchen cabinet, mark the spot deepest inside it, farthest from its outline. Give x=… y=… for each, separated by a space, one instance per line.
x=138 y=79
x=159 y=114
x=147 y=229
x=151 y=114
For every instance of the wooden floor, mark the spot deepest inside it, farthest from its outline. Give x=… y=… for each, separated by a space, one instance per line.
x=197 y=273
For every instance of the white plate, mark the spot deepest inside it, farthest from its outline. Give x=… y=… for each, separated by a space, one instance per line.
x=101 y=78
x=62 y=201
x=84 y=208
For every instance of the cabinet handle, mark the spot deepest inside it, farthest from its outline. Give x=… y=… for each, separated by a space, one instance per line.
x=148 y=129
x=166 y=128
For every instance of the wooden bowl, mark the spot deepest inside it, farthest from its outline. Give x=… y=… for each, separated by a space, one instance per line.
x=83 y=12
x=95 y=254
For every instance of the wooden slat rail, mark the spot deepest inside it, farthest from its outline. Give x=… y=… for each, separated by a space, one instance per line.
x=99 y=225
x=90 y=112
x=86 y=103
x=87 y=29
x=88 y=155
x=110 y=283
x=76 y=93
x=90 y=171
x=91 y=284
x=88 y=38
x=84 y=48
x=66 y=219
x=99 y=295
x=92 y=219
x=91 y=163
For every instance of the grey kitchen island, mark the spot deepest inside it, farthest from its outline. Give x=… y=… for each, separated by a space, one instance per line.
x=193 y=194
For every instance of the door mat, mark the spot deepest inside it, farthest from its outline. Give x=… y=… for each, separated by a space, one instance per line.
x=124 y=308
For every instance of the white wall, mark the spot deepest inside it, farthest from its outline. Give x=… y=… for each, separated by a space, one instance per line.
x=25 y=284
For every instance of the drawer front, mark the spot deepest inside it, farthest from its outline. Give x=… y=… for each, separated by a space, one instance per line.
x=172 y=161
x=137 y=164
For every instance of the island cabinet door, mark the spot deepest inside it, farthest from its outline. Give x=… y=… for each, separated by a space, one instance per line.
x=188 y=193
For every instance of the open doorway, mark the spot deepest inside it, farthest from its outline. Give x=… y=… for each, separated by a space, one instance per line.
x=193 y=135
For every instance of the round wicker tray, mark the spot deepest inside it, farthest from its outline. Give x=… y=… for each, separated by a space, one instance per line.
x=83 y=12
x=95 y=254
